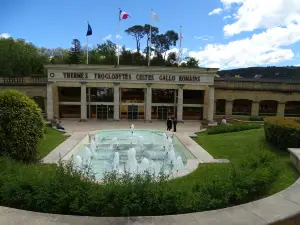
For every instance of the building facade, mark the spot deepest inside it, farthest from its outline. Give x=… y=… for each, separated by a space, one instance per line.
x=155 y=93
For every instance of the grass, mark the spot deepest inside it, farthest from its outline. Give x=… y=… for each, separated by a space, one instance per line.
x=52 y=138
x=234 y=145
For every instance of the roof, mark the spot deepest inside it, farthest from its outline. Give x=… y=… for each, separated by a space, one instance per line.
x=133 y=68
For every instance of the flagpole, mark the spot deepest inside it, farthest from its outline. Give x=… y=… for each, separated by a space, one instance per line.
x=87 y=49
x=150 y=38
x=118 y=35
x=180 y=45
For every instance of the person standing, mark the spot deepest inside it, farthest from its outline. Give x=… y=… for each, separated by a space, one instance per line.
x=169 y=124
x=174 y=124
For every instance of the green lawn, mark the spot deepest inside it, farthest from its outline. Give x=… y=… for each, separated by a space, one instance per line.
x=52 y=138
x=234 y=145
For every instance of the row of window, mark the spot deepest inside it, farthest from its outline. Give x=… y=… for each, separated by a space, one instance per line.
x=132 y=95
x=130 y=112
x=244 y=107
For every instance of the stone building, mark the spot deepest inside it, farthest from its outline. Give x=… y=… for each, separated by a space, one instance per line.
x=155 y=93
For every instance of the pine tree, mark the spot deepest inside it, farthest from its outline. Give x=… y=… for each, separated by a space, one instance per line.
x=75 y=54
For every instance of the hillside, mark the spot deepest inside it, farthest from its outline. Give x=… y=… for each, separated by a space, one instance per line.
x=284 y=73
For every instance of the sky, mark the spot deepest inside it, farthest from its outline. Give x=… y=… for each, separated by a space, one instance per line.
x=219 y=33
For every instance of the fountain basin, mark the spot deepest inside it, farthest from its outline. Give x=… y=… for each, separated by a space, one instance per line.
x=134 y=151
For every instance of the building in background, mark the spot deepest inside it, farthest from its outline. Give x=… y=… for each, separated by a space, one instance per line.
x=155 y=93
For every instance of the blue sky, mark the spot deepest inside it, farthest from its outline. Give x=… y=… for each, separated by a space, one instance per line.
x=55 y=23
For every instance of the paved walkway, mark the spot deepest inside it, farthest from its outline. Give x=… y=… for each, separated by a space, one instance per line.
x=73 y=125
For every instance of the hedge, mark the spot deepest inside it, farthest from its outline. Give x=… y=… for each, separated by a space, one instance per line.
x=256 y=118
x=227 y=128
x=282 y=132
x=61 y=190
x=21 y=126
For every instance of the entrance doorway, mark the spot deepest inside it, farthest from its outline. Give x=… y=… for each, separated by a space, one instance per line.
x=162 y=112
x=105 y=112
x=133 y=112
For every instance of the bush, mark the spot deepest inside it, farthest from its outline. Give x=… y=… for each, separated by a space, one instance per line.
x=21 y=126
x=62 y=190
x=256 y=118
x=282 y=132
x=227 y=128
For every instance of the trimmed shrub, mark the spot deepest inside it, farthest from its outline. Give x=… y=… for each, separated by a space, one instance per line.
x=62 y=190
x=21 y=126
x=227 y=128
x=282 y=132
x=256 y=118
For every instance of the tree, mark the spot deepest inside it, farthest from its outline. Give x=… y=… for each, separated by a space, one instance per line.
x=75 y=54
x=191 y=62
x=172 y=59
x=154 y=32
x=126 y=57
x=163 y=42
x=104 y=53
x=138 y=32
x=59 y=56
x=19 y=58
x=21 y=126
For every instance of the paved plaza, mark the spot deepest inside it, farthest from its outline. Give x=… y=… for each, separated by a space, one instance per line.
x=73 y=125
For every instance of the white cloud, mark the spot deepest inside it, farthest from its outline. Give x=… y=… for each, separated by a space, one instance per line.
x=118 y=36
x=227 y=17
x=215 y=11
x=108 y=37
x=261 y=49
x=298 y=65
x=255 y=14
x=204 y=38
x=4 y=35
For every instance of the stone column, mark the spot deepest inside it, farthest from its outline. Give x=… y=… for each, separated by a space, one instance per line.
x=255 y=108
x=211 y=103
x=180 y=103
x=83 y=102
x=280 y=108
x=49 y=100
x=228 y=108
x=117 y=101
x=148 y=102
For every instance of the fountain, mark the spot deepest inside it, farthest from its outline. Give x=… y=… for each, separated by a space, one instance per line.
x=144 y=166
x=135 y=152
x=132 y=128
x=131 y=161
x=78 y=162
x=114 y=144
x=116 y=161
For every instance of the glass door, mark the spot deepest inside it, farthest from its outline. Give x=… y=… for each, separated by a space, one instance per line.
x=133 y=112
x=102 y=111
x=163 y=112
x=110 y=112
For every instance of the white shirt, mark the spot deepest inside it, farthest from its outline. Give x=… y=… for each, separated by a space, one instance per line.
x=224 y=121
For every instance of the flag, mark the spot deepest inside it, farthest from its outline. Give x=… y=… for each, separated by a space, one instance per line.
x=123 y=15
x=154 y=16
x=89 y=30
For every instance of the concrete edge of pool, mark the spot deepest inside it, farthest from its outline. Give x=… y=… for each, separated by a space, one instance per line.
x=282 y=208
x=69 y=147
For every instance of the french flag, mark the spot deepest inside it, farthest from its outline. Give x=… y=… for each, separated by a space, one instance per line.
x=123 y=15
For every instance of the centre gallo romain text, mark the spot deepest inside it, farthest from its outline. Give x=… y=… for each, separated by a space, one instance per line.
x=127 y=76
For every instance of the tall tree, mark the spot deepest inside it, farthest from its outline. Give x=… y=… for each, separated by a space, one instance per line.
x=163 y=42
x=190 y=62
x=138 y=33
x=59 y=56
x=18 y=57
x=75 y=54
x=104 y=53
x=172 y=59
x=154 y=32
